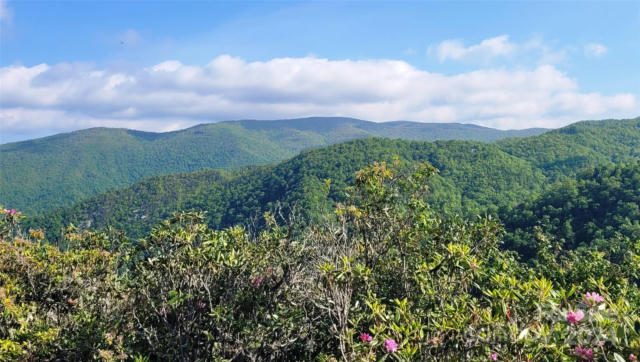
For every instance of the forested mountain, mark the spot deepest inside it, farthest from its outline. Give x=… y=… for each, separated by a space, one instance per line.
x=473 y=176
x=50 y=172
x=601 y=204
x=583 y=144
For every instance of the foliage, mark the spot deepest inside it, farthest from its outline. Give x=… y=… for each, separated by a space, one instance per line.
x=39 y=175
x=385 y=276
x=472 y=177
x=600 y=205
x=475 y=177
x=564 y=151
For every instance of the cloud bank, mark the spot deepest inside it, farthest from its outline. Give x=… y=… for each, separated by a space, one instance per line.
x=172 y=95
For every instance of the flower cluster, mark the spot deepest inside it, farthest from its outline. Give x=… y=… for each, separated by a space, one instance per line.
x=390 y=345
x=592 y=299
x=584 y=353
x=573 y=317
x=257 y=281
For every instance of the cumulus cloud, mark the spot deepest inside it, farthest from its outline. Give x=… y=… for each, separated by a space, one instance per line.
x=172 y=95
x=595 y=50
x=487 y=49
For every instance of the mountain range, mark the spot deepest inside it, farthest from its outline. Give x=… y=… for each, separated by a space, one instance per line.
x=474 y=177
x=43 y=174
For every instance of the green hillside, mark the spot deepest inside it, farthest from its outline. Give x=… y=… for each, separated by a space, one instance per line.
x=42 y=174
x=473 y=176
x=601 y=204
x=566 y=150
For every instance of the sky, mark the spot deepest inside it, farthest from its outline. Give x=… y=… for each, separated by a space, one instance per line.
x=166 y=65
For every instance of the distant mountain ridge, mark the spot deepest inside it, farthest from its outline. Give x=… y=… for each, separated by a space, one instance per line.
x=56 y=171
x=474 y=177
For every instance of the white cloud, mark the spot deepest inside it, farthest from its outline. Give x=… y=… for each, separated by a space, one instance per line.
x=487 y=49
x=595 y=50
x=171 y=94
x=500 y=50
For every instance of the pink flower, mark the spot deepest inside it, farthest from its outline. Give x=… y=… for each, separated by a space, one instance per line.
x=494 y=356
x=257 y=281
x=202 y=305
x=365 y=337
x=12 y=212
x=575 y=317
x=390 y=345
x=592 y=299
x=633 y=357
x=585 y=353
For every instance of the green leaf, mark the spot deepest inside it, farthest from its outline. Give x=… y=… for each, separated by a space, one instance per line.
x=618 y=357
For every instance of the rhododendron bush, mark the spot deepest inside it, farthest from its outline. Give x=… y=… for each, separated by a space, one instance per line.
x=381 y=277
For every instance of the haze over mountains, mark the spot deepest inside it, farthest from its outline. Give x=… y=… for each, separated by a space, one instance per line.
x=55 y=171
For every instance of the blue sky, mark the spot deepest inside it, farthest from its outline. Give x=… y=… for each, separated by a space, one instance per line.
x=162 y=65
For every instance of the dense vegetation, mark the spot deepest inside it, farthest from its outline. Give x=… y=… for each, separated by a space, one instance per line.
x=473 y=176
x=383 y=276
x=601 y=204
x=42 y=174
x=569 y=149
x=331 y=255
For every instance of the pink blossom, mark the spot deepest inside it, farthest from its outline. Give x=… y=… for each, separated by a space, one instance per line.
x=592 y=299
x=202 y=305
x=257 y=281
x=365 y=337
x=575 y=317
x=494 y=356
x=390 y=345
x=633 y=357
x=474 y=265
x=585 y=353
x=12 y=212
